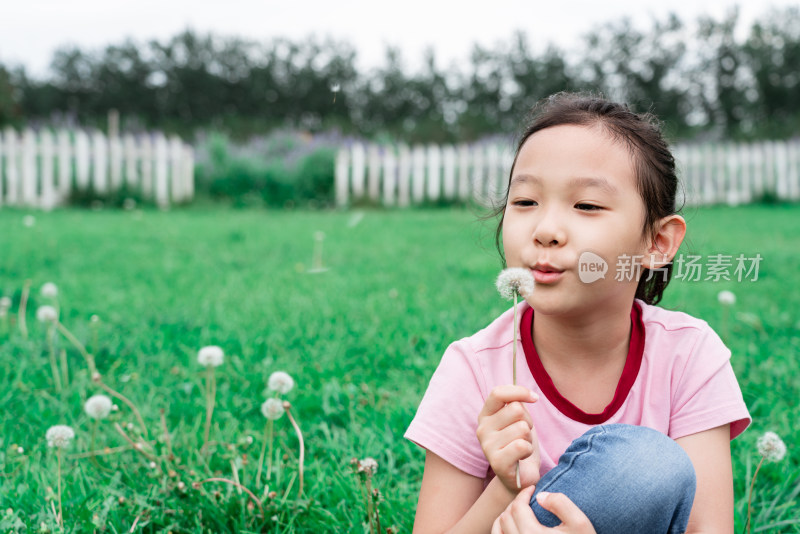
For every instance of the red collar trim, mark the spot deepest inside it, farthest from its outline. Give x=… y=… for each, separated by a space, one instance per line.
x=629 y=372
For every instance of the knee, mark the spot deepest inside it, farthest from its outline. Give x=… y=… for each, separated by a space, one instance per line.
x=646 y=459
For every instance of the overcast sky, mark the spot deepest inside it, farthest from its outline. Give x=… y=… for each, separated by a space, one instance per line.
x=31 y=30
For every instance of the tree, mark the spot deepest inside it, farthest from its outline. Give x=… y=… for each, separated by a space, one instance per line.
x=772 y=54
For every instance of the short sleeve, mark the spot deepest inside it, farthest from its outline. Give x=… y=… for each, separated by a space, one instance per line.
x=447 y=418
x=707 y=394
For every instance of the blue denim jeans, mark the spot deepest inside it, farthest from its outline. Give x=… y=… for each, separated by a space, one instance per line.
x=626 y=479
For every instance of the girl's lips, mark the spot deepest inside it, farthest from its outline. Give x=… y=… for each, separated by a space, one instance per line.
x=543 y=277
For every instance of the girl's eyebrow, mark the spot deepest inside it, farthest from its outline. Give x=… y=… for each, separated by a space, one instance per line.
x=575 y=183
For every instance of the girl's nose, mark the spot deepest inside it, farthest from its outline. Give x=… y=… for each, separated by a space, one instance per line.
x=549 y=232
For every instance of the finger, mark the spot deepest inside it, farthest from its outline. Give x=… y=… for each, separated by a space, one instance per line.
x=506 y=523
x=521 y=512
x=509 y=414
x=502 y=395
x=514 y=443
x=567 y=511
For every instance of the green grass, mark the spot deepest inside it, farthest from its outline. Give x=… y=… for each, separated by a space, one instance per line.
x=361 y=340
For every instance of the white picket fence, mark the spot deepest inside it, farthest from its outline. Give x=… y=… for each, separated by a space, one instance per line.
x=732 y=173
x=40 y=169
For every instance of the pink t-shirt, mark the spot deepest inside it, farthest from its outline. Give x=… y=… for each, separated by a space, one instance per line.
x=677 y=380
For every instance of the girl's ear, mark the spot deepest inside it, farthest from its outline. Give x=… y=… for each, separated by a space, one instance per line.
x=666 y=242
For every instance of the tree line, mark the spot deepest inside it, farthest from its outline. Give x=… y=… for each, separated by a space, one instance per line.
x=699 y=78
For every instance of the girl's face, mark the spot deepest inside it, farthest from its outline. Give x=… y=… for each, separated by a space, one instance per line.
x=572 y=206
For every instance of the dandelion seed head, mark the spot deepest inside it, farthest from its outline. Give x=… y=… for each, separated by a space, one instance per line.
x=280 y=382
x=152 y=465
x=28 y=221
x=771 y=447
x=5 y=303
x=272 y=409
x=94 y=319
x=210 y=356
x=20 y=450
x=515 y=280
x=59 y=436
x=49 y=290
x=46 y=314
x=98 y=406
x=726 y=298
x=368 y=465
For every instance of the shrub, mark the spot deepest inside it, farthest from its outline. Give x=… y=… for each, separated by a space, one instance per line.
x=280 y=170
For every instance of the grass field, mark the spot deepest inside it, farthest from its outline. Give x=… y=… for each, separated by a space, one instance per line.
x=361 y=341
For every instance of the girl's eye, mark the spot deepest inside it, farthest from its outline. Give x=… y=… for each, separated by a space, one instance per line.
x=587 y=207
x=525 y=203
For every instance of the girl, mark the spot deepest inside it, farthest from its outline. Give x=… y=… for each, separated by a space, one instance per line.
x=624 y=411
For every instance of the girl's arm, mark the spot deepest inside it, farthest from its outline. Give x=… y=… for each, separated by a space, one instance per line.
x=710 y=452
x=452 y=501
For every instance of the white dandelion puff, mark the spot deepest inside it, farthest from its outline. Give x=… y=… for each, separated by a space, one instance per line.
x=726 y=298
x=28 y=221
x=59 y=436
x=771 y=447
x=280 y=382
x=5 y=303
x=368 y=465
x=515 y=280
x=272 y=409
x=49 y=290
x=210 y=356
x=47 y=314
x=98 y=406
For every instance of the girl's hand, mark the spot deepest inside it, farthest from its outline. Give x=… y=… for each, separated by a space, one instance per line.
x=507 y=436
x=518 y=518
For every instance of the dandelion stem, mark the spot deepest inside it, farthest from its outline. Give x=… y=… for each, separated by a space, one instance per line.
x=211 y=392
x=91 y=446
x=53 y=364
x=725 y=316
x=288 y=407
x=78 y=345
x=250 y=493
x=235 y=472
x=166 y=433
x=60 y=511
x=99 y=452
x=514 y=346
x=135 y=522
x=514 y=373
x=136 y=446
x=267 y=439
x=64 y=366
x=370 y=512
x=23 y=306
x=124 y=399
x=750 y=497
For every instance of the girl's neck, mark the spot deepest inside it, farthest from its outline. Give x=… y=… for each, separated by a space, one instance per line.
x=585 y=342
